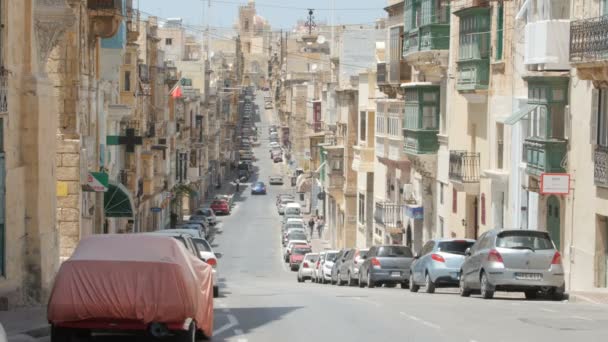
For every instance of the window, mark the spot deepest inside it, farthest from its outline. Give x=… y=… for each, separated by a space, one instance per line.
x=548 y=119
x=193 y=159
x=499 y=31
x=441 y=193
x=246 y=25
x=474 y=36
x=602 y=119
x=168 y=41
x=441 y=227
x=362 y=125
x=500 y=128
x=361 y=209
x=127 y=81
x=454 y=201
x=336 y=164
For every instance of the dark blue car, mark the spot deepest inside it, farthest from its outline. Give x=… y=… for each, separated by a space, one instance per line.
x=258 y=188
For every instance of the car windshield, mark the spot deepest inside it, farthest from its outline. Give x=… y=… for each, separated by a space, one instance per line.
x=454 y=247
x=301 y=251
x=362 y=254
x=533 y=240
x=202 y=245
x=296 y=236
x=218 y=203
x=331 y=256
x=394 y=251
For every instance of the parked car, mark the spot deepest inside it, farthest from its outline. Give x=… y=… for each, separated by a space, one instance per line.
x=200 y=230
x=129 y=258
x=386 y=264
x=292 y=209
x=438 y=264
x=297 y=255
x=349 y=268
x=220 y=206
x=295 y=235
x=290 y=245
x=208 y=213
x=325 y=267
x=277 y=158
x=283 y=203
x=513 y=260
x=316 y=269
x=336 y=266
x=276 y=180
x=306 y=269
x=258 y=188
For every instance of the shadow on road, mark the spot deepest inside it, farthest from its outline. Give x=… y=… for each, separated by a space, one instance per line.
x=248 y=319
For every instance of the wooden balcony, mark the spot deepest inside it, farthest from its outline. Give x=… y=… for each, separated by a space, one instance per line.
x=389 y=215
x=106 y=16
x=545 y=156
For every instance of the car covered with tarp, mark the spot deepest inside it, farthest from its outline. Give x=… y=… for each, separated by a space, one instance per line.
x=132 y=283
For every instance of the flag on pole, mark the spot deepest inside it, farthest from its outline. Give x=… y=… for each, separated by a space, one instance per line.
x=176 y=92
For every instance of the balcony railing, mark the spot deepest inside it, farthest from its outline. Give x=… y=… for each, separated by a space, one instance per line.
x=473 y=75
x=544 y=156
x=3 y=90
x=389 y=215
x=464 y=166
x=427 y=38
x=381 y=73
x=104 y=5
x=588 y=42
x=600 y=169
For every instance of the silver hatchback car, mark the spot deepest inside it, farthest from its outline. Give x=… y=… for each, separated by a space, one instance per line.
x=513 y=260
x=438 y=264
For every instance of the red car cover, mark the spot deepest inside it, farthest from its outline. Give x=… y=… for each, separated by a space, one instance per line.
x=140 y=278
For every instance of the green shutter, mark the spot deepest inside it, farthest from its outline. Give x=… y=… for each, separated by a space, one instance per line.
x=604 y=7
x=499 y=31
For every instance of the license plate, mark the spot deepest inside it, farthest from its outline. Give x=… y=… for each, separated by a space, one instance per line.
x=528 y=276
x=395 y=274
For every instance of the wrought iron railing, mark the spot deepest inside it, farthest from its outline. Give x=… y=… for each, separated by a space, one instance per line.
x=588 y=40
x=464 y=166
x=388 y=214
x=104 y=4
x=3 y=90
x=600 y=169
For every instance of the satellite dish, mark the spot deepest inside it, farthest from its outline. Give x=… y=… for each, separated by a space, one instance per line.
x=321 y=40
x=314 y=67
x=211 y=54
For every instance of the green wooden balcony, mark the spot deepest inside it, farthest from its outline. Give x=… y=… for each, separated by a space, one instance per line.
x=473 y=75
x=544 y=156
x=420 y=141
x=427 y=38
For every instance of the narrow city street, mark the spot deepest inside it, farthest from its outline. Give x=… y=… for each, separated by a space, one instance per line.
x=262 y=301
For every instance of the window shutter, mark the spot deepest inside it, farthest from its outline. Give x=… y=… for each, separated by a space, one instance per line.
x=567 y=122
x=483 y=209
x=454 y=201
x=595 y=107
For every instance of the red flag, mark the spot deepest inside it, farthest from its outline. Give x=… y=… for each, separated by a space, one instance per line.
x=177 y=92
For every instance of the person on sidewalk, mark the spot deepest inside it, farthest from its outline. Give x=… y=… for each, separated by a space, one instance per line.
x=311 y=225
x=320 y=224
x=238 y=184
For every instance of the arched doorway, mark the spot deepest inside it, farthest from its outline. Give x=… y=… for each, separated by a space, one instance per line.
x=553 y=220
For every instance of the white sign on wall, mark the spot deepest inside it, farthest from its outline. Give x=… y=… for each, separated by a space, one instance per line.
x=554 y=183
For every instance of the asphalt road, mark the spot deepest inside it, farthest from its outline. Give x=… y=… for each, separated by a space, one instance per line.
x=260 y=299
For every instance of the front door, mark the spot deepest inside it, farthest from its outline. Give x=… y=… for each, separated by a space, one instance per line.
x=553 y=220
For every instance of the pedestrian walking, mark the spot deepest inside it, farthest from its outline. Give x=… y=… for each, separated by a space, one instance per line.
x=320 y=224
x=311 y=225
x=238 y=184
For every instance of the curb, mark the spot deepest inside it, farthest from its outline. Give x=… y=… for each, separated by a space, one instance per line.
x=41 y=331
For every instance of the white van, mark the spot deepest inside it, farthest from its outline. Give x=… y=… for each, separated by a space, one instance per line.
x=293 y=209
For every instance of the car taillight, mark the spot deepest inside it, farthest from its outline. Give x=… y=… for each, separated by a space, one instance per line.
x=318 y=263
x=437 y=258
x=557 y=259
x=375 y=262
x=212 y=262
x=305 y=265
x=495 y=256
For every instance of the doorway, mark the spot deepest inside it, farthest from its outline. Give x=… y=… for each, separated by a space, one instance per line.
x=553 y=221
x=601 y=252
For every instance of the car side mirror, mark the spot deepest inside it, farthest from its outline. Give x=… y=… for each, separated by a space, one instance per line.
x=416 y=257
x=467 y=252
x=218 y=255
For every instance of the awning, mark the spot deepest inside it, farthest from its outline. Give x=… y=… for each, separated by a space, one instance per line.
x=183 y=189
x=520 y=113
x=117 y=201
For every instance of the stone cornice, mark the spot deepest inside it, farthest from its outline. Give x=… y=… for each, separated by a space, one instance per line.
x=51 y=19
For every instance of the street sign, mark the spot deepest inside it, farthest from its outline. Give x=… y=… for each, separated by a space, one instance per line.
x=156 y=209
x=97 y=181
x=555 y=183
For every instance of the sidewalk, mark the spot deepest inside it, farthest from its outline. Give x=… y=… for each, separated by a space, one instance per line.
x=592 y=297
x=25 y=324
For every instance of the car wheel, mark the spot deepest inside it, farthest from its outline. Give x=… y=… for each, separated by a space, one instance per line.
x=370 y=282
x=557 y=293
x=413 y=286
x=216 y=292
x=299 y=279
x=351 y=281
x=60 y=334
x=487 y=291
x=405 y=285
x=360 y=281
x=531 y=294
x=429 y=285
x=188 y=335
x=462 y=288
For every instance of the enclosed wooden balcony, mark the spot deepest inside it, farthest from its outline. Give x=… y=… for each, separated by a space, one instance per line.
x=545 y=155
x=106 y=16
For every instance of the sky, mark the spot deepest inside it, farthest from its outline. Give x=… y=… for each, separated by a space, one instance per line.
x=281 y=14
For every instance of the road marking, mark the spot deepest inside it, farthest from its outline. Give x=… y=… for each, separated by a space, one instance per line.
x=548 y=310
x=232 y=321
x=582 y=318
x=421 y=321
x=367 y=301
x=239 y=333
